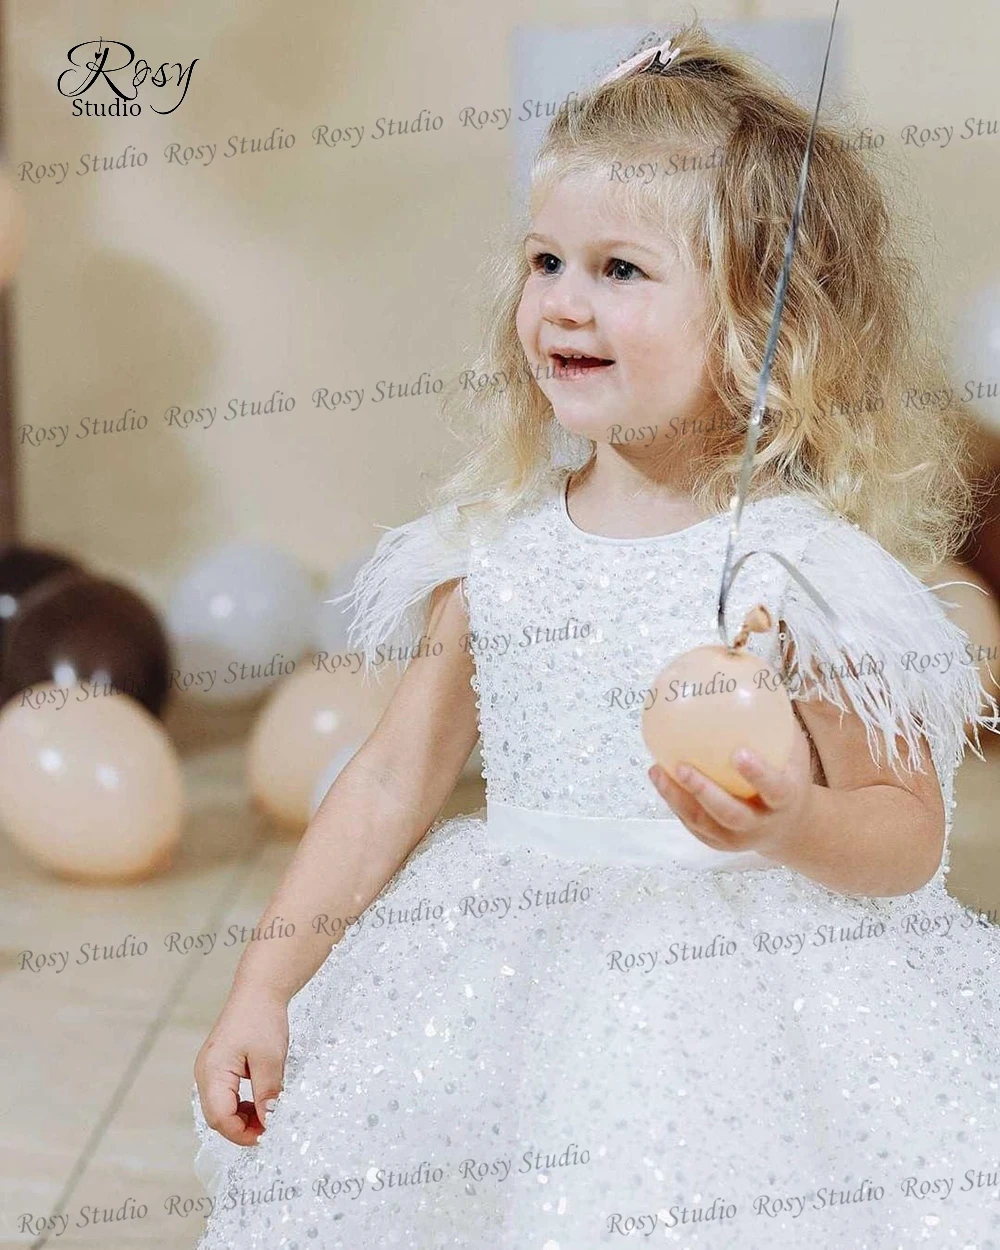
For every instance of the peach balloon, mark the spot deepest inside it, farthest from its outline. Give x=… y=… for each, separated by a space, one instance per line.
x=90 y=785
x=711 y=701
x=311 y=716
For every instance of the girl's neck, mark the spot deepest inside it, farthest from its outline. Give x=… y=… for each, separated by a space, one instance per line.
x=623 y=498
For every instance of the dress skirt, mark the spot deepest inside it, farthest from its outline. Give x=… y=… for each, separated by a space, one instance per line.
x=520 y=1046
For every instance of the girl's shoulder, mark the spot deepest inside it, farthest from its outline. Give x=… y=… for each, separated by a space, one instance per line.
x=827 y=540
x=388 y=598
x=803 y=519
x=872 y=638
x=387 y=601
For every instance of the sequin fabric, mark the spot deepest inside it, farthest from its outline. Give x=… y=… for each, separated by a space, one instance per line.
x=514 y=1050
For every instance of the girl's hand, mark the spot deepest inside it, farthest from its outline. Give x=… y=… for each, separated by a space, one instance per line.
x=250 y=1039
x=774 y=819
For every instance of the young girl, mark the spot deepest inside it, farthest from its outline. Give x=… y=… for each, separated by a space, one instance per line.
x=623 y=1006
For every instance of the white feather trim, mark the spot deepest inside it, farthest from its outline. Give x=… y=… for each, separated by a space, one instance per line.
x=895 y=659
x=390 y=592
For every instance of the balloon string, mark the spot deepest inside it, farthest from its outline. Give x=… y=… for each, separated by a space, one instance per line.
x=941 y=586
x=757 y=414
x=802 y=580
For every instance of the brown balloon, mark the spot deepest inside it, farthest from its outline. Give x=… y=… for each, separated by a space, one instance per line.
x=21 y=569
x=74 y=628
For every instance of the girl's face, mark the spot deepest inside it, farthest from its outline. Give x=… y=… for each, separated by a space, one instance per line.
x=603 y=288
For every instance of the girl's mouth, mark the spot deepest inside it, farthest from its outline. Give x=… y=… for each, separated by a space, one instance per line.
x=576 y=366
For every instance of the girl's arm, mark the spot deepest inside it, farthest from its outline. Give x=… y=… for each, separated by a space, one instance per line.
x=378 y=809
x=869 y=831
x=373 y=816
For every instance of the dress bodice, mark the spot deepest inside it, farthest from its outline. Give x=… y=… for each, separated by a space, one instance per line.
x=569 y=630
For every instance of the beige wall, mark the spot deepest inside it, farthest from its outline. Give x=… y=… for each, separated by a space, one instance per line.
x=312 y=267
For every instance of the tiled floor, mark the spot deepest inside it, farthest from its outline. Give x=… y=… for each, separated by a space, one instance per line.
x=98 y=1058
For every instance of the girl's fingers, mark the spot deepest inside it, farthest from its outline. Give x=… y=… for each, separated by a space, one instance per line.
x=223 y=1110
x=773 y=787
x=687 y=808
x=682 y=803
x=266 y=1072
x=248 y=1114
x=730 y=812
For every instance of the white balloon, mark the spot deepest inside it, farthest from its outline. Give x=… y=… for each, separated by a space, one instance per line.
x=330 y=774
x=331 y=619
x=239 y=619
x=977 y=356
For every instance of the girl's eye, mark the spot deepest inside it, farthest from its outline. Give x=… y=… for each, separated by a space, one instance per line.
x=616 y=266
x=620 y=270
x=539 y=261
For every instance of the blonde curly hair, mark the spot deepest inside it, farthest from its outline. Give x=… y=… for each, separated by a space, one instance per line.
x=855 y=336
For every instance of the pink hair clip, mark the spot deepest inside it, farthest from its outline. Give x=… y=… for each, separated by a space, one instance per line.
x=641 y=60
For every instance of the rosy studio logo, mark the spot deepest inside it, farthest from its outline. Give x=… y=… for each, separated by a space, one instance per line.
x=116 y=64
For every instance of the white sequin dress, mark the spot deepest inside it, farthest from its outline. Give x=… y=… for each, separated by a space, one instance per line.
x=568 y=1023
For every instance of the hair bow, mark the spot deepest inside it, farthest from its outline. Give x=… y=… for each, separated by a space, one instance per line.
x=641 y=60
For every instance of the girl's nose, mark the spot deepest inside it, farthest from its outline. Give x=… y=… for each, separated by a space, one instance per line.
x=566 y=300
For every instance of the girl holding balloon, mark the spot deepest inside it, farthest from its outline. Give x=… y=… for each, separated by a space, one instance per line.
x=755 y=1002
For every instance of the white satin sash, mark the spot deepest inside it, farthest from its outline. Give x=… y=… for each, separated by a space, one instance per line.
x=611 y=840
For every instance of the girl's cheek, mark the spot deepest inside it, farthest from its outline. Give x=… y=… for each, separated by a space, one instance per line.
x=522 y=321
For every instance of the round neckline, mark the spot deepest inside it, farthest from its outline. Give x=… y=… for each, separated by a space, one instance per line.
x=563 y=505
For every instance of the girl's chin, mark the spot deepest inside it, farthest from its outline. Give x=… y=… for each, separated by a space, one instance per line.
x=584 y=427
